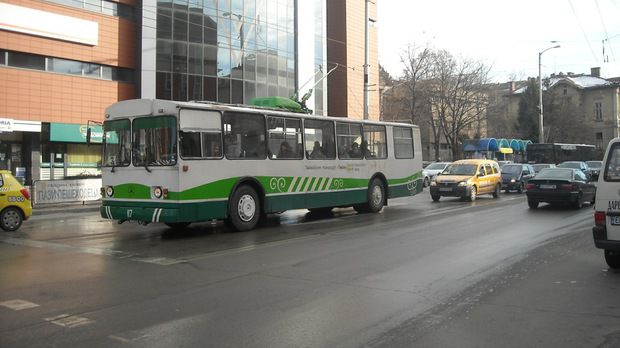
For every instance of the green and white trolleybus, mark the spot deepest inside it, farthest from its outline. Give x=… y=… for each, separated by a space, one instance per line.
x=183 y=162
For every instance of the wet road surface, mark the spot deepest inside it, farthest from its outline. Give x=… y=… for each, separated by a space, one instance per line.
x=299 y=280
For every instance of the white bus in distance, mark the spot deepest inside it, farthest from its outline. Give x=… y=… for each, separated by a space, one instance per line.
x=183 y=162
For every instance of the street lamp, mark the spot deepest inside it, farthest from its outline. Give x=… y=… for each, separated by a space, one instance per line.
x=541 y=132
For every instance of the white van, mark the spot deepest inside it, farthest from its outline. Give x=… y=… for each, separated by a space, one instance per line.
x=606 y=231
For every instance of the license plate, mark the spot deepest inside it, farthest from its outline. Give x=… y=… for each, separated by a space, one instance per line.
x=547 y=187
x=445 y=189
x=615 y=220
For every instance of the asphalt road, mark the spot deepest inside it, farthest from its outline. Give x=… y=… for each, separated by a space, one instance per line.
x=391 y=279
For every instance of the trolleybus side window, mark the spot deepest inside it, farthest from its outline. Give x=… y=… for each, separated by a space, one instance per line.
x=285 y=141
x=349 y=140
x=200 y=134
x=319 y=139
x=403 y=142
x=116 y=143
x=244 y=135
x=154 y=141
x=374 y=144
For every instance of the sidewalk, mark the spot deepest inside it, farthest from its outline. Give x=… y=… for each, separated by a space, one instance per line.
x=54 y=208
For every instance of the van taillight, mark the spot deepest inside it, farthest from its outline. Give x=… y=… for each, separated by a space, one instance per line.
x=530 y=186
x=599 y=218
x=25 y=193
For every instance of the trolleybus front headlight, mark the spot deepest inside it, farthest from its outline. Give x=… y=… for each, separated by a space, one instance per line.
x=158 y=192
x=109 y=191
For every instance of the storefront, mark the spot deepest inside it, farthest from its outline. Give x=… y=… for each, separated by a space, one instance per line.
x=65 y=153
x=17 y=139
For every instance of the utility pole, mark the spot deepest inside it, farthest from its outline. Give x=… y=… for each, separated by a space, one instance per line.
x=541 y=131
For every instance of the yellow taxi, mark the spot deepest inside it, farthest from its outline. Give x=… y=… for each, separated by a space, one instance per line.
x=15 y=204
x=467 y=179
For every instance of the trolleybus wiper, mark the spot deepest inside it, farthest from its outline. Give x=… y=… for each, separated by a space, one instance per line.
x=146 y=167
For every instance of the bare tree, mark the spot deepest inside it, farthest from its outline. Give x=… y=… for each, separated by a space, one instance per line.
x=458 y=97
x=417 y=66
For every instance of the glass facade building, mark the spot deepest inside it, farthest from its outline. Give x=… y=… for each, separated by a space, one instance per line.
x=227 y=51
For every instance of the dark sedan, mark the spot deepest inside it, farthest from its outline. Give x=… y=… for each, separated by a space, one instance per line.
x=560 y=185
x=595 y=168
x=515 y=176
x=583 y=166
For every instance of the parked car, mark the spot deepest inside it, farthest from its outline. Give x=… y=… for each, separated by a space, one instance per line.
x=515 y=176
x=560 y=185
x=15 y=204
x=503 y=163
x=577 y=165
x=467 y=179
x=606 y=230
x=432 y=170
x=595 y=168
x=538 y=166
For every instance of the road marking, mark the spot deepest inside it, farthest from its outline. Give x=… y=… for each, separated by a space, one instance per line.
x=69 y=321
x=18 y=305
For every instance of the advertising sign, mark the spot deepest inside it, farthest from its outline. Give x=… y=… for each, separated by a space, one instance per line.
x=65 y=191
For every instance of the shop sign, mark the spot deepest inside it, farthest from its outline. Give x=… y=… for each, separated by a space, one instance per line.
x=75 y=133
x=6 y=125
x=65 y=191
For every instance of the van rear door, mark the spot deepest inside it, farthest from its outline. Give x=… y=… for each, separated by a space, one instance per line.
x=608 y=190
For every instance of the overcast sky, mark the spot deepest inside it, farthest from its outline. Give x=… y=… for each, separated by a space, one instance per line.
x=505 y=34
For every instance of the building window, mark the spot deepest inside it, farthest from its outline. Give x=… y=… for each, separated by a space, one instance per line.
x=65 y=66
x=26 y=61
x=100 y=6
x=598 y=111
x=241 y=41
x=599 y=141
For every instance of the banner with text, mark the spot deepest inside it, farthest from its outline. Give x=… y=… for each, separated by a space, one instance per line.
x=65 y=191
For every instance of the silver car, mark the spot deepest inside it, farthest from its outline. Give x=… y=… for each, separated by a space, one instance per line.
x=432 y=170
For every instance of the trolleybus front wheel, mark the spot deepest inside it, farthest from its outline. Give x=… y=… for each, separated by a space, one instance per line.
x=243 y=209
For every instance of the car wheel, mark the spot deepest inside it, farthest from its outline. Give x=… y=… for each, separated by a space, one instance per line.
x=520 y=190
x=11 y=219
x=244 y=209
x=612 y=258
x=532 y=204
x=427 y=181
x=435 y=198
x=472 y=194
x=497 y=191
x=578 y=204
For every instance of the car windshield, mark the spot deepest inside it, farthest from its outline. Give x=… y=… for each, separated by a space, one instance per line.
x=460 y=169
x=511 y=169
x=575 y=165
x=116 y=143
x=154 y=141
x=595 y=164
x=436 y=166
x=555 y=174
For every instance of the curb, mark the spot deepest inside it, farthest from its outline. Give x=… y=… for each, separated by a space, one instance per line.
x=67 y=208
